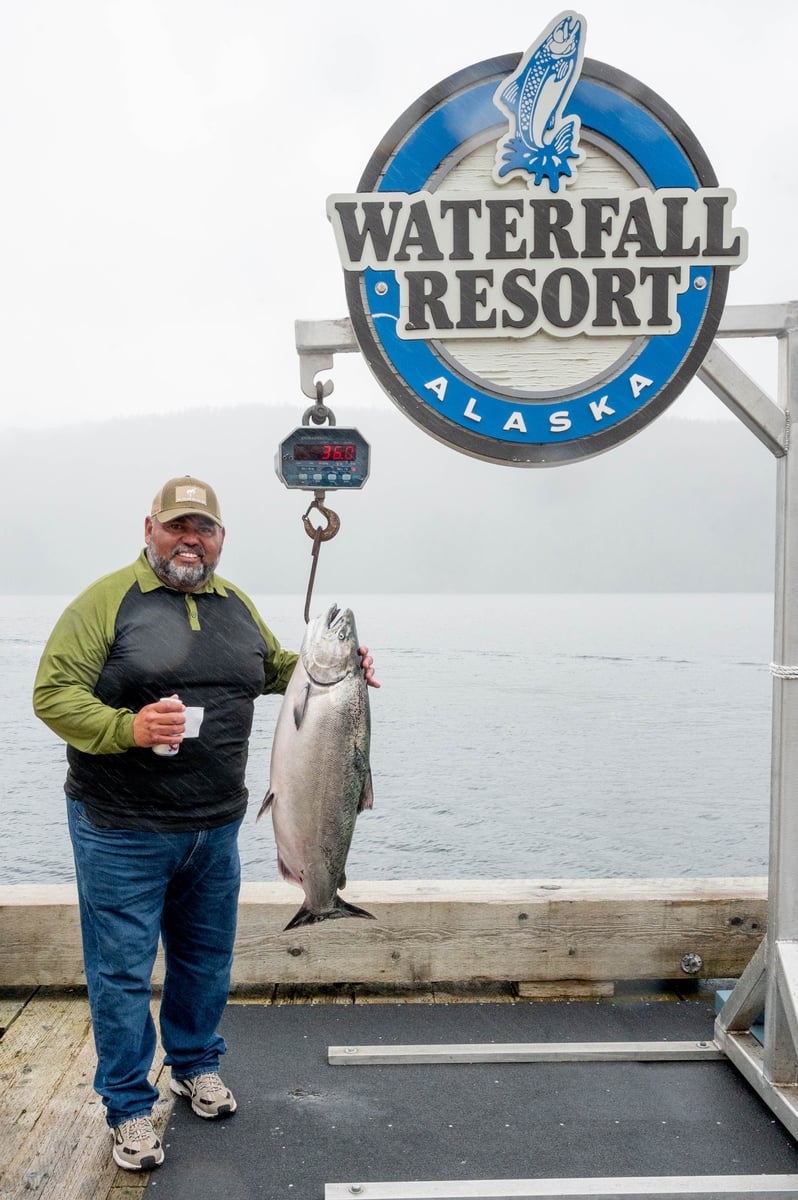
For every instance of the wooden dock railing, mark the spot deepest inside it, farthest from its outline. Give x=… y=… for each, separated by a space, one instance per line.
x=538 y=931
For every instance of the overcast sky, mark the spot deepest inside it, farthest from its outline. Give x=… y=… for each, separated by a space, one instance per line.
x=166 y=164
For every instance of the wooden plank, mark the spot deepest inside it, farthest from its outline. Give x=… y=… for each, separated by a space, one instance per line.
x=40 y=935
x=565 y=989
x=432 y=931
x=59 y=1144
x=475 y=992
x=302 y=993
x=69 y=1155
x=39 y=1047
x=245 y=993
x=429 y=932
x=12 y=1002
x=48 y=1043
x=379 y=993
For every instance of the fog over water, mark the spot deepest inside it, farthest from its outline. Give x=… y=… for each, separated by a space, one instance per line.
x=683 y=506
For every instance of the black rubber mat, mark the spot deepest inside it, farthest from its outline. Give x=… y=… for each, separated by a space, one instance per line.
x=302 y=1123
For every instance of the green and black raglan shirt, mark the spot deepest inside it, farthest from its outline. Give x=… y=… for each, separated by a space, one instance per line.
x=129 y=640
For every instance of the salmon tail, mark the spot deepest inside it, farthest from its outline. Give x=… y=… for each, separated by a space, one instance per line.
x=341 y=908
x=267 y=803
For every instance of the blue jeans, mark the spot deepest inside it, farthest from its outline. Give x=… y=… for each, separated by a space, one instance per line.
x=133 y=886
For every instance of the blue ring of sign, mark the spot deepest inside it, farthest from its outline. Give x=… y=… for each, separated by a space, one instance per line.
x=614 y=116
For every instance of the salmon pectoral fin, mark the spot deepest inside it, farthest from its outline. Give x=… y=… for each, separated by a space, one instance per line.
x=367 y=795
x=340 y=909
x=267 y=803
x=300 y=708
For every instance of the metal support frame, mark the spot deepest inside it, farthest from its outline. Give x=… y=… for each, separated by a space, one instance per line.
x=665 y=1187
x=770 y=982
x=523 y=1052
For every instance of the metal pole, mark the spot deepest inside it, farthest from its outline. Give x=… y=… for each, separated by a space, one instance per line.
x=781 y=1024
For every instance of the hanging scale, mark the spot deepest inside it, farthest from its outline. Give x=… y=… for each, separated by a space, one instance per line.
x=319 y=458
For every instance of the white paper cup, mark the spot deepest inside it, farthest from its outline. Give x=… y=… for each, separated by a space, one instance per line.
x=193 y=715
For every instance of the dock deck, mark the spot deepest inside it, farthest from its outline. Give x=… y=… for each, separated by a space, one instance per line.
x=56 y=1144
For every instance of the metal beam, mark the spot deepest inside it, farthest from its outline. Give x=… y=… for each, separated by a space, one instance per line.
x=747 y=1000
x=526 y=1052
x=758 y=320
x=781 y=1053
x=738 y=391
x=665 y=1187
x=746 y=1054
x=787 y=982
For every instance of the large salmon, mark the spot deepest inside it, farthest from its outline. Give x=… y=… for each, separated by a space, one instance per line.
x=320 y=778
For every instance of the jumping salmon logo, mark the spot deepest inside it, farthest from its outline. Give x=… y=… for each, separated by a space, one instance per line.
x=544 y=137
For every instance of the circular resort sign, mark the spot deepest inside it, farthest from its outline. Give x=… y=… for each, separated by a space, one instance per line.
x=537 y=255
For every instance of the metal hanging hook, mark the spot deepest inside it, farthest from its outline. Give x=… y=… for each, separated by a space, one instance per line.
x=323 y=532
x=319 y=533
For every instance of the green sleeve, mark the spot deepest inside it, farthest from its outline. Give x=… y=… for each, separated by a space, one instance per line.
x=281 y=663
x=63 y=693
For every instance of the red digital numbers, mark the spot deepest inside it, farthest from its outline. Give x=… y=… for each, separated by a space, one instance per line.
x=330 y=453
x=326 y=452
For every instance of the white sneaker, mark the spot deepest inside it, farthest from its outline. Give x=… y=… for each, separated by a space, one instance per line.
x=209 y=1096
x=137 y=1147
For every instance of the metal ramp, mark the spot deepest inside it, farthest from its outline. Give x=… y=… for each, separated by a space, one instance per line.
x=770 y=982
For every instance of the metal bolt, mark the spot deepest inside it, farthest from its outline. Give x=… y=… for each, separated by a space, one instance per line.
x=350 y=1050
x=381 y=288
x=700 y=282
x=356 y=1189
x=692 y=963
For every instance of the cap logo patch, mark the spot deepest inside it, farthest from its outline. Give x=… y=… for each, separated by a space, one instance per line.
x=191 y=495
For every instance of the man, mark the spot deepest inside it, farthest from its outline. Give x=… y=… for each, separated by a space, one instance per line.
x=154 y=834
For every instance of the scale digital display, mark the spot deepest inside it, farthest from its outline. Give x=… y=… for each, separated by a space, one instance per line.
x=323 y=459
x=345 y=452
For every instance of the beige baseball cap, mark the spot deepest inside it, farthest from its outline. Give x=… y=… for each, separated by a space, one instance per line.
x=184 y=495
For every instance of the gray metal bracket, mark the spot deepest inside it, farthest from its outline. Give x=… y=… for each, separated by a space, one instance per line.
x=663 y=1187
x=525 y=1052
x=316 y=343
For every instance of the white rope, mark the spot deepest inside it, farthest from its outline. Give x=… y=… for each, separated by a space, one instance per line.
x=782 y=672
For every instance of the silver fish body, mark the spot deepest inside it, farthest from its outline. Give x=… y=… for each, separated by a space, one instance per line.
x=320 y=777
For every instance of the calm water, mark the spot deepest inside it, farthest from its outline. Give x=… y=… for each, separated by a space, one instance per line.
x=514 y=736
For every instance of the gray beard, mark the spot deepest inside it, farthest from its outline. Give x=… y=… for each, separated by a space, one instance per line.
x=180 y=577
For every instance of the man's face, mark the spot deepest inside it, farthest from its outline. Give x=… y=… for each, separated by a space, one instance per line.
x=184 y=552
